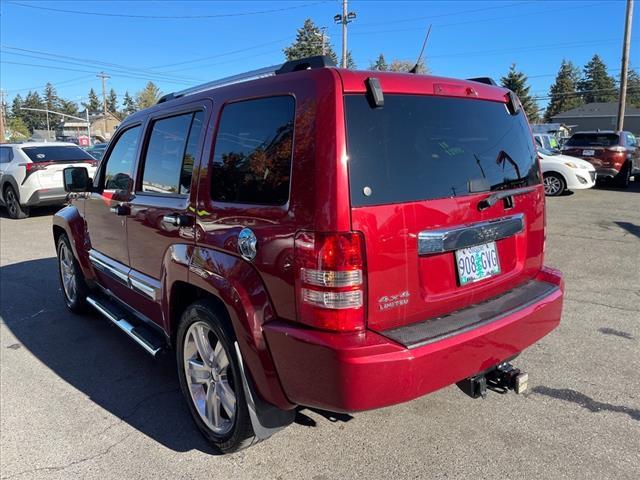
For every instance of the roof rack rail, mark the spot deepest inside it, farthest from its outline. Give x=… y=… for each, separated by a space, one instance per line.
x=308 y=63
x=486 y=80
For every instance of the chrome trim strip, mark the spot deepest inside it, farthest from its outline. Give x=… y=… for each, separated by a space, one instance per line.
x=143 y=288
x=446 y=240
x=109 y=266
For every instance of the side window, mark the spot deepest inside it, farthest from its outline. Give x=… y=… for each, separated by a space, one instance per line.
x=631 y=140
x=6 y=155
x=172 y=148
x=119 y=168
x=253 y=150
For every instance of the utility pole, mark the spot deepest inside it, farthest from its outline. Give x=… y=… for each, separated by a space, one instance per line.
x=344 y=19
x=3 y=122
x=625 y=65
x=104 y=76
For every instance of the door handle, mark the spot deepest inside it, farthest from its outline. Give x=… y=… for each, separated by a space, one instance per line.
x=120 y=210
x=176 y=220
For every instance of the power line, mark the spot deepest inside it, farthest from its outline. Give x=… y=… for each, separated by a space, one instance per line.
x=65 y=82
x=166 y=17
x=83 y=61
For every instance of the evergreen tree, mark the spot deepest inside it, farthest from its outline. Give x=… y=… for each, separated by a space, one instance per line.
x=380 y=64
x=597 y=85
x=563 y=94
x=406 y=65
x=34 y=120
x=308 y=43
x=93 y=104
x=148 y=97
x=50 y=97
x=517 y=82
x=350 y=61
x=633 y=88
x=15 y=106
x=112 y=101
x=128 y=105
x=68 y=107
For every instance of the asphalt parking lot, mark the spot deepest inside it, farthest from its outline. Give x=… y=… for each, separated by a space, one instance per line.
x=79 y=400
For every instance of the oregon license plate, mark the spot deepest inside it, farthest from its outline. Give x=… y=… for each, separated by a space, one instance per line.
x=477 y=263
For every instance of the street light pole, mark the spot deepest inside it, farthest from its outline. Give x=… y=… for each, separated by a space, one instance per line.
x=625 y=66
x=344 y=19
x=48 y=127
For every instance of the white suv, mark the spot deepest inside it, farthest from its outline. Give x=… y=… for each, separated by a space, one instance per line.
x=31 y=174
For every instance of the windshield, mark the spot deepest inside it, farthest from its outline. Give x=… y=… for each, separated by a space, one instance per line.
x=59 y=153
x=593 y=140
x=544 y=151
x=420 y=147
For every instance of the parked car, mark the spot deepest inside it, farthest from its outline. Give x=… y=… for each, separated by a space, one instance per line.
x=31 y=174
x=97 y=150
x=562 y=172
x=546 y=141
x=615 y=155
x=317 y=236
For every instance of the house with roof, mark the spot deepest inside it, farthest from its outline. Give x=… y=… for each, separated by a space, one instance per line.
x=102 y=127
x=599 y=116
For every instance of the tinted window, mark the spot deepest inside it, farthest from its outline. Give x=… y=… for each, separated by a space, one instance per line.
x=56 y=154
x=593 y=140
x=252 y=160
x=631 y=140
x=423 y=147
x=5 y=154
x=119 y=167
x=169 y=159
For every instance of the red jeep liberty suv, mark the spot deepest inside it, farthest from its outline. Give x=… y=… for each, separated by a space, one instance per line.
x=313 y=236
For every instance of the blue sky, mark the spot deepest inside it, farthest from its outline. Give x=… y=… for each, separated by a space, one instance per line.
x=469 y=38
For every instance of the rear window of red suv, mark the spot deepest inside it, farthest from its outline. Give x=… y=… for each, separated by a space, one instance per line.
x=419 y=147
x=593 y=140
x=56 y=154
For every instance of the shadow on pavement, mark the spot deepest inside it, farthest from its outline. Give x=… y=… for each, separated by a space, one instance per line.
x=630 y=227
x=94 y=357
x=34 y=211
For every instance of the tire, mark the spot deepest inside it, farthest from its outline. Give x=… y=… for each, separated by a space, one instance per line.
x=554 y=184
x=12 y=201
x=623 y=177
x=222 y=417
x=72 y=283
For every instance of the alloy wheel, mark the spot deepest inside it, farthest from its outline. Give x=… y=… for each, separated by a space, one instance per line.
x=209 y=378
x=552 y=185
x=12 y=203
x=68 y=273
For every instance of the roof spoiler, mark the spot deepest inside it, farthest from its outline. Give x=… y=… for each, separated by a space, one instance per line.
x=485 y=80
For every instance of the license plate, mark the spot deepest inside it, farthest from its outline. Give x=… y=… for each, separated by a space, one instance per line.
x=477 y=263
x=588 y=153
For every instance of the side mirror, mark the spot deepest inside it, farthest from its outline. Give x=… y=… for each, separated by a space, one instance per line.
x=76 y=179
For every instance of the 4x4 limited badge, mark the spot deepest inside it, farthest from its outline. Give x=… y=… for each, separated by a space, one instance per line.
x=393 y=301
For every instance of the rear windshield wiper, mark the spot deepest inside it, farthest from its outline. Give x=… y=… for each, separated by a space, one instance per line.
x=494 y=197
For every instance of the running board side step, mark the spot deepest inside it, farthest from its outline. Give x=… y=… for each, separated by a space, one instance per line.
x=140 y=334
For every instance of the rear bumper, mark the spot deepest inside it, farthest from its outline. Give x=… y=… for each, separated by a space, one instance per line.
x=362 y=371
x=47 y=196
x=607 y=172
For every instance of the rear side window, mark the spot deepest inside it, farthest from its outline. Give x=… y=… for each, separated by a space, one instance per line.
x=168 y=164
x=119 y=168
x=631 y=140
x=593 y=140
x=252 y=160
x=6 y=155
x=56 y=154
x=420 y=147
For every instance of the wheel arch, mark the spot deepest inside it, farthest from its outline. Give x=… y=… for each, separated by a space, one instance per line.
x=69 y=222
x=240 y=297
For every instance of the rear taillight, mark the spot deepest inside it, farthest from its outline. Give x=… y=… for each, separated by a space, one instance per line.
x=33 y=167
x=93 y=163
x=330 y=280
x=617 y=149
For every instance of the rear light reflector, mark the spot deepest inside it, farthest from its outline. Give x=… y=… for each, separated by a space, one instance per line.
x=330 y=280
x=333 y=300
